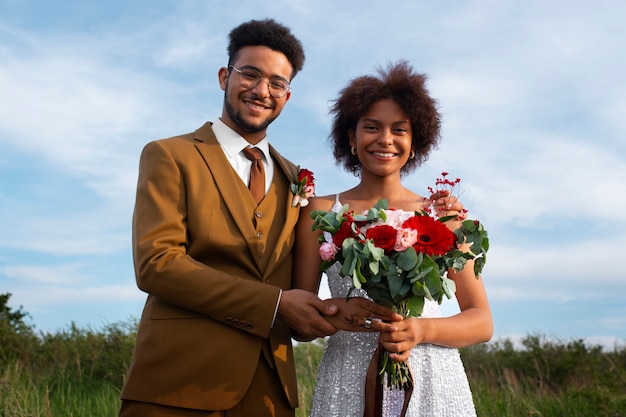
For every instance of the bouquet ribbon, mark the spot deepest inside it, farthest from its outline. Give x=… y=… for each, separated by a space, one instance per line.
x=374 y=389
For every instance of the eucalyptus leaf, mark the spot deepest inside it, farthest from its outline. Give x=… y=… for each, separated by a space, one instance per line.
x=415 y=306
x=373 y=267
x=381 y=204
x=395 y=284
x=449 y=286
x=358 y=271
x=407 y=259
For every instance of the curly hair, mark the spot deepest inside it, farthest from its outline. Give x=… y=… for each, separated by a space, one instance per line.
x=268 y=33
x=400 y=84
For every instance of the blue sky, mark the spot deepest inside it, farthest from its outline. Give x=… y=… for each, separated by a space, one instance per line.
x=533 y=97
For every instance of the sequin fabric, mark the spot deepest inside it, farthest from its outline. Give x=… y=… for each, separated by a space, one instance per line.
x=440 y=388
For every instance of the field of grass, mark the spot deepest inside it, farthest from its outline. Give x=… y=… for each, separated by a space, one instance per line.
x=79 y=373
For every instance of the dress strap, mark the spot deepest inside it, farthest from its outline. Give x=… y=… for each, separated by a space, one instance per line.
x=337 y=206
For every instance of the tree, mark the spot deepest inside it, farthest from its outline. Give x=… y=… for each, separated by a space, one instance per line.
x=16 y=335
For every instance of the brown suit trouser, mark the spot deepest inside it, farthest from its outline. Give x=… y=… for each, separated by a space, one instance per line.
x=265 y=399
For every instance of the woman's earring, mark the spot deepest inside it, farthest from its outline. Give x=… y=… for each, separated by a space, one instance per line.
x=353 y=150
x=412 y=155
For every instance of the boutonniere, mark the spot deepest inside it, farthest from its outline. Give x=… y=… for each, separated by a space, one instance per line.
x=303 y=187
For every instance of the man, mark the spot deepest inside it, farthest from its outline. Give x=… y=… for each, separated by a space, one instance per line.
x=214 y=338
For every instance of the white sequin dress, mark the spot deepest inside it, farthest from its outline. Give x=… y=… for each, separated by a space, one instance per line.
x=440 y=387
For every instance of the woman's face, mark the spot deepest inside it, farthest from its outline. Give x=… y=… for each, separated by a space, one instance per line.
x=383 y=138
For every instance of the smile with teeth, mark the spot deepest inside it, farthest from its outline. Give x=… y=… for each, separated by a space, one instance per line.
x=256 y=106
x=384 y=154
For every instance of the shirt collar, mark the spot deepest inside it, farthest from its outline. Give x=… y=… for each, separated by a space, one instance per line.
x=233 y=143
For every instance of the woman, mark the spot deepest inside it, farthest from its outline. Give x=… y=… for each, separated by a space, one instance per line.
x=385 y=127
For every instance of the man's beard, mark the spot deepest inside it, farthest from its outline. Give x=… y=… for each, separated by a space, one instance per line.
x=244 y=125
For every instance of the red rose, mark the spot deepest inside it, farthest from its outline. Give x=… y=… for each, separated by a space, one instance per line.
x=384 y=237
x=344 y=232
x=305 y=173
x=433 y=237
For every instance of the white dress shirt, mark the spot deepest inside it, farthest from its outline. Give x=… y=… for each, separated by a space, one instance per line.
x=233 y=145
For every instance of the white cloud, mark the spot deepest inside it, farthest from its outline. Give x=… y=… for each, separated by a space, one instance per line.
x=45 y=275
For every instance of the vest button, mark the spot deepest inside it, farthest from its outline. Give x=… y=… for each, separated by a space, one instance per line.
x=258 y=214
x=259 y=235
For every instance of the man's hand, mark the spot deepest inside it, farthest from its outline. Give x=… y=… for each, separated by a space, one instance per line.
x=357 y=314
x=305 y=314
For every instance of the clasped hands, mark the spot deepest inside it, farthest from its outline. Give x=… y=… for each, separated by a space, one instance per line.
x=357 y=314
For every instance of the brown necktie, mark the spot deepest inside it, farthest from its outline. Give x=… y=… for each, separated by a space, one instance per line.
x=257 y=173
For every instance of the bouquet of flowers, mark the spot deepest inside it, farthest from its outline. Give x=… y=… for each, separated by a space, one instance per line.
x=399 y=258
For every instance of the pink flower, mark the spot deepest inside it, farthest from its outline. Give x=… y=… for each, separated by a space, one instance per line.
x=405 y=239
x=395 y=218
x=328 y=251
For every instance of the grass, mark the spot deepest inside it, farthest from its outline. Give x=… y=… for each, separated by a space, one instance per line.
x=79 y=373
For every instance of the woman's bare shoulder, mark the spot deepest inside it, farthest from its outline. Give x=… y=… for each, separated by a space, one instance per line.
x=323 y=202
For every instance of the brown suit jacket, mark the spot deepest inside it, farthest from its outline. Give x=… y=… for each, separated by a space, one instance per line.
x=213 y=278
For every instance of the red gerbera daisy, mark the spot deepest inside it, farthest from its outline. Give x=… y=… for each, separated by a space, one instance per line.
x=433 y=237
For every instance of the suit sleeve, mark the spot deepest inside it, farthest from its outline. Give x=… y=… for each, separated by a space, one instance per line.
x=163 y=265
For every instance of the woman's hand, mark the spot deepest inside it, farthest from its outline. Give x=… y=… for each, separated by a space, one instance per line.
x=407 y=335
x=357 y=314
x=448 y=205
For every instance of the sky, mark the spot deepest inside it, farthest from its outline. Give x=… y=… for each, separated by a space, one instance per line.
x=532 y=96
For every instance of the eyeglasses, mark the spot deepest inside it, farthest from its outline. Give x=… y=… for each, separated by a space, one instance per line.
x=250 y=78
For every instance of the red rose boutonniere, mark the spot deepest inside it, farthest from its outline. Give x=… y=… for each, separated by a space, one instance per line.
x=303 y=187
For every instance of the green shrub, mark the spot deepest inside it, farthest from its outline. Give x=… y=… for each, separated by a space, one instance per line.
x=79 y=372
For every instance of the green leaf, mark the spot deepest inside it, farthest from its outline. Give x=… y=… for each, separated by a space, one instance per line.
x=395 y=284
x=381 y=204
x=373 y=266
x=416 y=306
x=449 y=286
x=422 y=272
x=377 y=253
x=418 y=289
x=447 y=218
x=372 y=215
x=358 y=271
x=376 y=278
x=407 y=259
x=355 y=280
x=349 y=263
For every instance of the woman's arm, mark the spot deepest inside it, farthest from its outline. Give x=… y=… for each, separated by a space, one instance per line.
x=474 y=323
x=306 y=272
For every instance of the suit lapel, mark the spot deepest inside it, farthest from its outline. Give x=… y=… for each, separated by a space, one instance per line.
x=286 y=238
x=226 y=180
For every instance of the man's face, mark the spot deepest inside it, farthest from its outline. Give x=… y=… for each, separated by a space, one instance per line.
x=250 y=111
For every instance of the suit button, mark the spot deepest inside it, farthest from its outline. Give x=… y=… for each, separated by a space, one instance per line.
x=259 y=235
x=258 y=214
